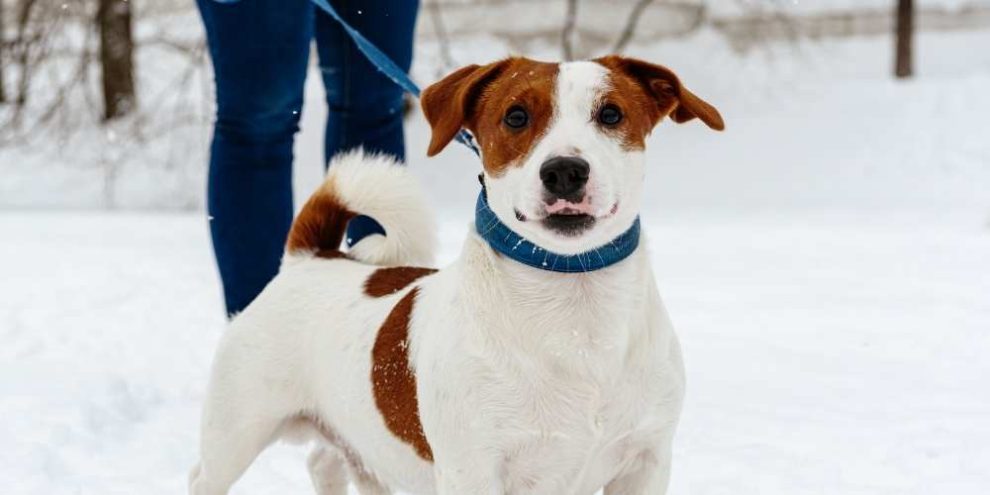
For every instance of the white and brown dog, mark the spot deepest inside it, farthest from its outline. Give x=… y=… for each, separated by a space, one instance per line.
x=498 y=374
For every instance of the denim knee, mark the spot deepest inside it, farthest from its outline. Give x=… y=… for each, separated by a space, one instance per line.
x=364 y=101
x=258 y=128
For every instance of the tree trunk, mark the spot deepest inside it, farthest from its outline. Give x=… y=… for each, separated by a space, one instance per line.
x=567 y=34
x=3 y=56
x=21 y=51
x=113 y=19
x=903 y=65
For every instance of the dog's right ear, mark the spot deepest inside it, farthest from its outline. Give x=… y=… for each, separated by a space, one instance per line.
x=450 y=103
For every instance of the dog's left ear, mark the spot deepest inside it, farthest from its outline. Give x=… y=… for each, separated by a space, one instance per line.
x=662 y=84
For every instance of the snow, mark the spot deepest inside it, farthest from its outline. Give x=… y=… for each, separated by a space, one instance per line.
x=825 y=262
x=738 y=7
x=828 y=353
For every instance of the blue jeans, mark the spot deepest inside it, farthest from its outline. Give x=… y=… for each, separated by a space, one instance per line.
x=260 y=52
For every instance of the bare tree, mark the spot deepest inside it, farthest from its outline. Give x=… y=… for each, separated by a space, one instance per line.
x=23 y=49
x=903 y=67
x=3 y=58
x=443 y=39
x=113 y=20
x=631 y=22
x=690 y=14
x=567 y=34
x=694 y=11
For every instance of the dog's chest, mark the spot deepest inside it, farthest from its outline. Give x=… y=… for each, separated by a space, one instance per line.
x=571 y=436
x=562 y=378
x=584 y=404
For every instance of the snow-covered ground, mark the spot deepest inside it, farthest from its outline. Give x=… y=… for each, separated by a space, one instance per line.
x=826 y=262
x=826 y=354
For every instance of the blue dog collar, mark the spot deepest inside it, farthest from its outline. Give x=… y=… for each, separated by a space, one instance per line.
x=502 y=239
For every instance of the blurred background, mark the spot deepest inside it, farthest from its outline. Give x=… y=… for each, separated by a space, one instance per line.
x=826 y=259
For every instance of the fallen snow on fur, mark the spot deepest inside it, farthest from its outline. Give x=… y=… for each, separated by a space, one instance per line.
x=826 y=354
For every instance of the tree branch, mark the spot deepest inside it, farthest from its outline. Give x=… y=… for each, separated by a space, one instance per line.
x=440 y=31
x=631 y=22
x=567 y=35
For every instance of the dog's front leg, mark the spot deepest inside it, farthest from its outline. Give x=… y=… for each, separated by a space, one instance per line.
x=468 y=474
x=459 y=482
x=648 y=476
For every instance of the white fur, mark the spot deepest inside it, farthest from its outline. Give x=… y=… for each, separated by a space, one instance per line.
x=529 y=382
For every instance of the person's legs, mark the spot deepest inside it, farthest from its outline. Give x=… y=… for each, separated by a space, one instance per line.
x=365 y=107
x=260 y=50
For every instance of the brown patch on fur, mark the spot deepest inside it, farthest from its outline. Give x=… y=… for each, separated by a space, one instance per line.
x=321 y=223
x=659 y=83
x=478 y=97
x=640 y=110
x=392 y=380
x=386 y=281
x=332 y=254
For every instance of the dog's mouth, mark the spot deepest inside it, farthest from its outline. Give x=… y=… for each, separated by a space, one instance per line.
x=567 y=221
x=568 y=224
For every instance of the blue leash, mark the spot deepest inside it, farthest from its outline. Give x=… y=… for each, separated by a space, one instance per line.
x=384 y=64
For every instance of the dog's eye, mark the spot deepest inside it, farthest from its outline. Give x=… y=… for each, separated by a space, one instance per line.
x=610 y=115
x=516 y=118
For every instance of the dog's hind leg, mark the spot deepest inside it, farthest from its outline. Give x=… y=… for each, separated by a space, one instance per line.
x=232 y=438
x=228 y=448
x=243 y=414
x=328 y=471
x=366 y=483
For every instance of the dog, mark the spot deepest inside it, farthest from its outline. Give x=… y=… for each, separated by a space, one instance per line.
x=542 y=361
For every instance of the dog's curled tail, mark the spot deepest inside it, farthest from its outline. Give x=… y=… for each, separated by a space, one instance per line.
x=376 y=186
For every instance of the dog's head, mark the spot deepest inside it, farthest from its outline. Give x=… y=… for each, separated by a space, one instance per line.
x=562 y=144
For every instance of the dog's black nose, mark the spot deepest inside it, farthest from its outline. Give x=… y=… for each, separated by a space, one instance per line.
x=564 y=175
